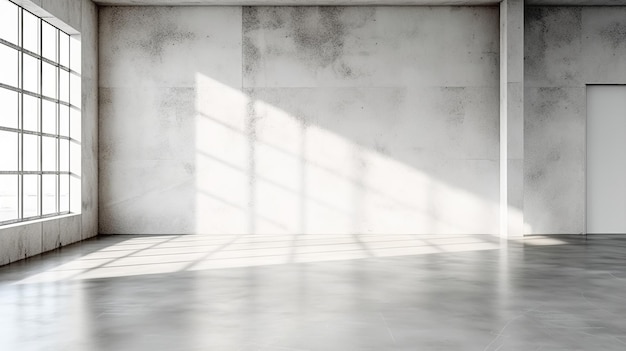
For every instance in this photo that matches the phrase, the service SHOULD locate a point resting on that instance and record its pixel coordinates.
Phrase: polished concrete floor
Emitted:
(394, 292)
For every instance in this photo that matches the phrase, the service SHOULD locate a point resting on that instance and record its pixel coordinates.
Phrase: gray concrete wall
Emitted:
(23, 240)
(299, 120)
(565, 48)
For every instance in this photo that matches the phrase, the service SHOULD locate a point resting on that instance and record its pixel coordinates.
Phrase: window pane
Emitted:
(31, 195)
(48, 154)
(75, 54)
(8, 197)
(75, 161)
(31, 32)
(30, 112)
(49, 41)
(75, 194)
(8, 156)
(48, 117)
(75, 132)
(64, 120)
(64, 49)
(75, 90)
(8, 113)
(64, 86)
(31, 73)
(64, 193)
(8, 21)
(8, 65)
(49, 80)
(31, 152)
(64, 155)
(49, 194)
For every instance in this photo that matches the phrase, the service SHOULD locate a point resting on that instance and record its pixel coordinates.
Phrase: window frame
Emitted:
(62, 134)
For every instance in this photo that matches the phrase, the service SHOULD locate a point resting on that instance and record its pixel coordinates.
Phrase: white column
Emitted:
(512, 118)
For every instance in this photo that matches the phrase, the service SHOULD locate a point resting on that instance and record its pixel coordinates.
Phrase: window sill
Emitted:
(38, 220)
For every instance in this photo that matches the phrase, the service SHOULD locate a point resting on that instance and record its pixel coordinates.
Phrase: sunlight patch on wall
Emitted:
(262, 170)
(222, 162)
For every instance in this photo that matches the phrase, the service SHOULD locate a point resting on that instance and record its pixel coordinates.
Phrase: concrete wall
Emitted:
(299, 120)
(566, 48)
(23, 240)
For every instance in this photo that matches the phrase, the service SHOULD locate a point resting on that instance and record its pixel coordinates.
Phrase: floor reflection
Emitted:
(343, 292)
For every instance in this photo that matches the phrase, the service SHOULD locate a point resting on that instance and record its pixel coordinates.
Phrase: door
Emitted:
(606, 159)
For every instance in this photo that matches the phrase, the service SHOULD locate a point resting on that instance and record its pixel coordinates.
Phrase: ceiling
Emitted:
(577, 2)
(296, 2)
(355, 2)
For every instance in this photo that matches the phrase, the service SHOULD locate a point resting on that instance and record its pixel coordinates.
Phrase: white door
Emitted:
(606, 159)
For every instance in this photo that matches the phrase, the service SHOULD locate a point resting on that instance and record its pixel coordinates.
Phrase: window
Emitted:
(39, 116)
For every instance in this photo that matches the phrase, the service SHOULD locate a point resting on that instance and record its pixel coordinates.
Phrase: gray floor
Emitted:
(318, 293)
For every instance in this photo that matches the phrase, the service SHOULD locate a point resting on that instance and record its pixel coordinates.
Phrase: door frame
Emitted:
(585, 142)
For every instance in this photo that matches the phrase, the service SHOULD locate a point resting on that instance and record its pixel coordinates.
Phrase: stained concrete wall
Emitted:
(299, 120)
(565, 49)
(23, 240)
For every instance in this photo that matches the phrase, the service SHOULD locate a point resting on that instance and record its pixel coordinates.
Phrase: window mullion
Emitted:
(58, 125)
(69, 123)
(20, 116)
(40, 117)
